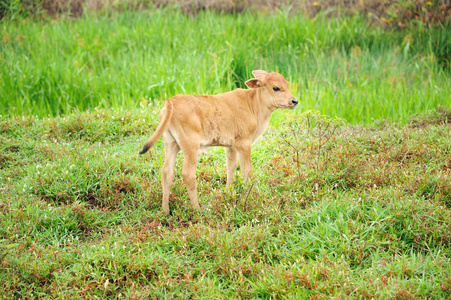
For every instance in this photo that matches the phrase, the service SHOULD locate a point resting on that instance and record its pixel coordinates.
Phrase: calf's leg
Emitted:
(171, 149)
(189, 173)
(232, 164)
(244, 151)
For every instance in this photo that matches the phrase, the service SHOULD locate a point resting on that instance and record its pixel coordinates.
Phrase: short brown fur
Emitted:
(233, 120)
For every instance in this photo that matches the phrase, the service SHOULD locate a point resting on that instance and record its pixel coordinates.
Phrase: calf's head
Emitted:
(273, 88)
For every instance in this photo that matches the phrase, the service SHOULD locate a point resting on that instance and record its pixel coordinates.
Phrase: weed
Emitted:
(312, 132)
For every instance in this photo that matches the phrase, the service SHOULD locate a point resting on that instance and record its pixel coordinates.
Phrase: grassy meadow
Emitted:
(351, 195)
(334, 211)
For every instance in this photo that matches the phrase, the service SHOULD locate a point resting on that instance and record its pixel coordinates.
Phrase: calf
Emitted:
(233, 120)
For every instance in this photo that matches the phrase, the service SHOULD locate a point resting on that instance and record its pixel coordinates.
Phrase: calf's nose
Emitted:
(295, 101)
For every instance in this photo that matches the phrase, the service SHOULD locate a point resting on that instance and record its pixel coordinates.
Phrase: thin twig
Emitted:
(247, 195)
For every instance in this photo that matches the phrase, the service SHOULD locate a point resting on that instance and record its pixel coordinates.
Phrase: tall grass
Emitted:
(342, 67)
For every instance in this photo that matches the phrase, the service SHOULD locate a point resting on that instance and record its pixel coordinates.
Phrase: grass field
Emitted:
(344, 209)
(364, 215)
(342, 67)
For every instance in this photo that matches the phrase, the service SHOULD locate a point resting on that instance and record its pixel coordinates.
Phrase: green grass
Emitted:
(335, 210)
(342, 67)
(364, 215)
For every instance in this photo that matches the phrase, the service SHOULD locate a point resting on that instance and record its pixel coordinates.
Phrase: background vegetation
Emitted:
(342, 66)
(335, 210)
(395, 13)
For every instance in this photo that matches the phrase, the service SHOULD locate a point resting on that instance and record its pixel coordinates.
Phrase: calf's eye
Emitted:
(276, 89)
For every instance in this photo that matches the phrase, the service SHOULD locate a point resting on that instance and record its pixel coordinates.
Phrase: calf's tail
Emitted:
(160, 129)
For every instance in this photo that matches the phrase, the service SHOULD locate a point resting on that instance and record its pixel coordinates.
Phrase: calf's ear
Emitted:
(253, 83)
(259, 74)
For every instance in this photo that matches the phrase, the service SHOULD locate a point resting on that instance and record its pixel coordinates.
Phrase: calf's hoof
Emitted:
(166, 211)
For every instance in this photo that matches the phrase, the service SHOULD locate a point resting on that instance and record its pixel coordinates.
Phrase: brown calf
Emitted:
(233, 120)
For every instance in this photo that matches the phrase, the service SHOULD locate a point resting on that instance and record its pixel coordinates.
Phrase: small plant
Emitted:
(315, 133)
